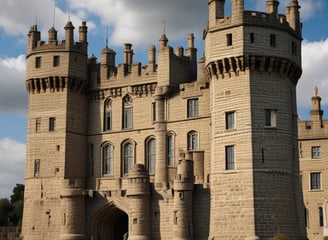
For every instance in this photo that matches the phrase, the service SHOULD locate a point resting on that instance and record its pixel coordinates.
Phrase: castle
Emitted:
(182, 148)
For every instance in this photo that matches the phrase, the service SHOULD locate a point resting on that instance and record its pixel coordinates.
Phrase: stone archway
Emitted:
(110, 223)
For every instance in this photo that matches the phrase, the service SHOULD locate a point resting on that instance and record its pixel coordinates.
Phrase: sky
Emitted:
(139, 22)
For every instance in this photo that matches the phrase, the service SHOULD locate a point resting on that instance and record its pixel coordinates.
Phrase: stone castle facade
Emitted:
(313, 145)
(165, 151)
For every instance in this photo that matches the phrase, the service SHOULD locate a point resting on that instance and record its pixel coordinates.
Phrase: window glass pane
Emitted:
(192, 108)
(127, 157)
(193, 141)
(56, 61)
(315, 181)
(36, 167)
(315, 152)
(151, 152)
(230, 120)
(170, 150)
(230, 157)
(52, 124)
(108, 115)
(37, 62)
(127, 112)
(38, 125)
(108, 159)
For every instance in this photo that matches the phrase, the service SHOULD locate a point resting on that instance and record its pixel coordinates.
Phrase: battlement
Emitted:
(217, 20)
(179, 62)
(36, 44)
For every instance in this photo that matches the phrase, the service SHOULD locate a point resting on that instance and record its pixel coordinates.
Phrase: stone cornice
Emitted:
(55, 84)
(232, 66)
(139, 90)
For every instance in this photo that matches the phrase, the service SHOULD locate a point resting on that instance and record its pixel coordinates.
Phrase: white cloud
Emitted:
(140, 22)
(12, 161)
(13, 97)
(314, 57)
(17, 16)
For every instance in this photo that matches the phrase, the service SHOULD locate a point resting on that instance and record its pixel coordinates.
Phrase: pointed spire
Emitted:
(54, 14)
(316, 111)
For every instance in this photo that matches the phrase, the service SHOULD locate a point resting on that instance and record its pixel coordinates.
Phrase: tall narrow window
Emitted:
(38, 125)
(56, 61)
(128, 156)
(230, 120)
(36, 167)
(52, 124)
(153, 111)
(108, 115)
(315, 152)
(230, 157)
(192, 140)
(320, 216)
(192, 107)
(251, 37)
(90, 163)
(229, 39)
(294, 47)
(151, 155)
(170, 149)
(127, 112)
(315, 181)
(38, 62)
(272, 40)
(108, 159)
(270, 118)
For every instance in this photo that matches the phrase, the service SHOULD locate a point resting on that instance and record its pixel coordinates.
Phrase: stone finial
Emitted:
(316, 91)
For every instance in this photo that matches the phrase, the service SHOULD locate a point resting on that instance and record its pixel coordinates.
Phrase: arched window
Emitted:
(127, 112)
(192, 140)
(151, 155)
(128, 157)
(108, 115)
(107, 154)
(170, 149)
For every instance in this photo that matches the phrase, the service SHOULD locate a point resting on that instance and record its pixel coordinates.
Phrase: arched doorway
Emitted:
(110, 223)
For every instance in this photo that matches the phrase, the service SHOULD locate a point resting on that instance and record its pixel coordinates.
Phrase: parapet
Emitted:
(35, 44)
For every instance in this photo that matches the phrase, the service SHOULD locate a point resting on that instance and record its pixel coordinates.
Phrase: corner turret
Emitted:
(293, 16)
(272, 6)
(33, 37)
(316, 112)
(237, 10)
(69, 35)
(52, 35)
(216, 10)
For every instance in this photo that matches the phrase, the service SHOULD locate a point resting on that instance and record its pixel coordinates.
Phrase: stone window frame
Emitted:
(192, 107)
(36, 168)
(150, 154)
(107, 154)
(56, 61)
(127, 114)
(316, 152)
(315, 181)
(170, 149)
(273, 40)
(270, 118)
(127, 156)
(38, 125)
(193, 140)
(52, 124)
(229, 39)
(230, 120)
(108, 118)
(38, 61)
(230, 157)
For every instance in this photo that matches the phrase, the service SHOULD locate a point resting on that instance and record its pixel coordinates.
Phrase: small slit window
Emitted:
(229, 39)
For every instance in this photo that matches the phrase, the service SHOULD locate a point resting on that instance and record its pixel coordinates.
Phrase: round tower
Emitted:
(254, 61)
(183, 189)
(56, 80)
(138, 194)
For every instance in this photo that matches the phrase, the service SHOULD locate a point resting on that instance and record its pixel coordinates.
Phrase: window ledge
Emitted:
(270, 127)
(316, 190)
